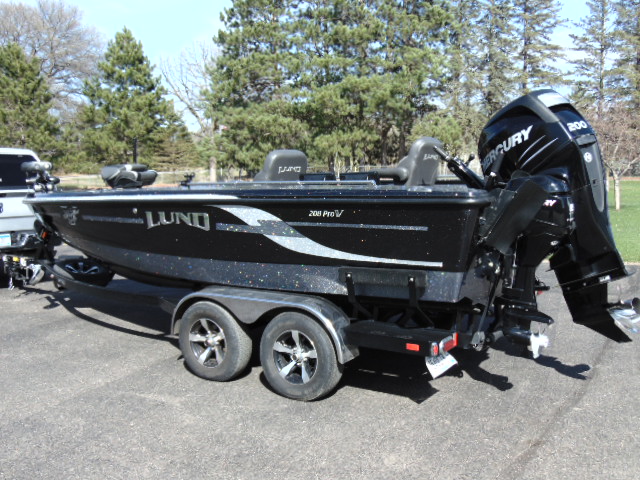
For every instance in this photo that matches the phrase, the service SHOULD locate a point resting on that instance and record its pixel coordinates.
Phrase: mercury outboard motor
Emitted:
(542, 159)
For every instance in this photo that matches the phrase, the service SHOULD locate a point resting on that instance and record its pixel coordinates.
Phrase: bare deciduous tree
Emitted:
(52, 32)
(619, 133)
(188, 79)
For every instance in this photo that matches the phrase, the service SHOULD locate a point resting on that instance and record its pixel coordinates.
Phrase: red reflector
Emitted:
(413, 347)
(450, 342)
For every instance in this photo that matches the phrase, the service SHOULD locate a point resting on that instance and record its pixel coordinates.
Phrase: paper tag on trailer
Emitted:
(439, 364)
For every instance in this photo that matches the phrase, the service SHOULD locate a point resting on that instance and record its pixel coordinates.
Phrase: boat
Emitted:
(395, 252)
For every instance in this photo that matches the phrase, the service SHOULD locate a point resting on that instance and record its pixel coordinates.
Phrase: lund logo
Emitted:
(289, 169)
(70, 214)
(193, 219)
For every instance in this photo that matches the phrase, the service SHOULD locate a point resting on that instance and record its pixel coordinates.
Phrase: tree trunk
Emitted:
(213, 174)
(616, 190)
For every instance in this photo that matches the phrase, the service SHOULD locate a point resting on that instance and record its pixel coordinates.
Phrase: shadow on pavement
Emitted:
(144, 316)
(571, 371)
(391, 373)
(469, 362)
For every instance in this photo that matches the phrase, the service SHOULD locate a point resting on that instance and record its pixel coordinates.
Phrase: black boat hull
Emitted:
(293, 239)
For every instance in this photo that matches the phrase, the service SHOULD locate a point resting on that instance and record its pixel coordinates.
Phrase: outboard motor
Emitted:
(542, 159)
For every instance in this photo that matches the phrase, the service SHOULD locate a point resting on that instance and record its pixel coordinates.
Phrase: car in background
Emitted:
(19, 241)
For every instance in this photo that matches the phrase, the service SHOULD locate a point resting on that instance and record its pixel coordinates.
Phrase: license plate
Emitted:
(5, 240)
(440, 363)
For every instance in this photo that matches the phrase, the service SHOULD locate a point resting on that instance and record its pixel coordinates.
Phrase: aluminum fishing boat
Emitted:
(397, 252)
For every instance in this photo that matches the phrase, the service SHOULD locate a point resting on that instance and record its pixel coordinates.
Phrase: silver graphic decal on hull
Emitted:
(402, 228)
(261, 222)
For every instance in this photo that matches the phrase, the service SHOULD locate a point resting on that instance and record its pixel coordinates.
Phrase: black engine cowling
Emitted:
(542, 138)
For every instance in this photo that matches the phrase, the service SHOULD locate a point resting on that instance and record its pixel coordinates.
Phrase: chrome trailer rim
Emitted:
(295, 357)
(207, 342)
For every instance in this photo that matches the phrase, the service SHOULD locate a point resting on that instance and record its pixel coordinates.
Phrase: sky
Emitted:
(165, 27)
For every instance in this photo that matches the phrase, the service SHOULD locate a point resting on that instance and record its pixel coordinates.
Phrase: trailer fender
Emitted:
(248, 306)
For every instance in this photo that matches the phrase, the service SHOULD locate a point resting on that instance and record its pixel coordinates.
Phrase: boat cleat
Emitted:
(626, 315)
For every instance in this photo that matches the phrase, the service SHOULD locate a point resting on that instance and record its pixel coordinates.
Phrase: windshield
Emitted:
(11, 176)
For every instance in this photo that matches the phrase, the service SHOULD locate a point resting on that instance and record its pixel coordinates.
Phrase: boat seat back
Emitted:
(283, 165)
(128, 175)
(422, 162)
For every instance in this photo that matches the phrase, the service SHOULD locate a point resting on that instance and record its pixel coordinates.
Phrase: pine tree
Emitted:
(125, 103)
(388, 67)
(176, 150)
(253, 84)
(67, 51)
(497, 40)
(463, 90)
(416, 63)
(627, 47)
(619, 126)
(25, 102)
(343, 80)
(537, 20)
(594, 69)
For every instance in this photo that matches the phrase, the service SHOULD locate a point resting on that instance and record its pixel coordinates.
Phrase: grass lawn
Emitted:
(626, 222)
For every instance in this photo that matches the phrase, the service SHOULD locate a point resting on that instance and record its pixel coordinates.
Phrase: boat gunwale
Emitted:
(280, 192)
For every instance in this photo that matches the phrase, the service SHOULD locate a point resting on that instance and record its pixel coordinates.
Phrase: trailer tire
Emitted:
(213, 344)
(298, 357)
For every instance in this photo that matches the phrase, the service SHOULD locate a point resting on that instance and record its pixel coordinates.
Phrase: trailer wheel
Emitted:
(214, 345)
(298, 357)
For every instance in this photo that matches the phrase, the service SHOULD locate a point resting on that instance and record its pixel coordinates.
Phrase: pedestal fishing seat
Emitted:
(128, 175)
(283, 166)
(420, 166)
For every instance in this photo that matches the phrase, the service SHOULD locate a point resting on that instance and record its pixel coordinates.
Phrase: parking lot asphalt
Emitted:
(93, 389)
